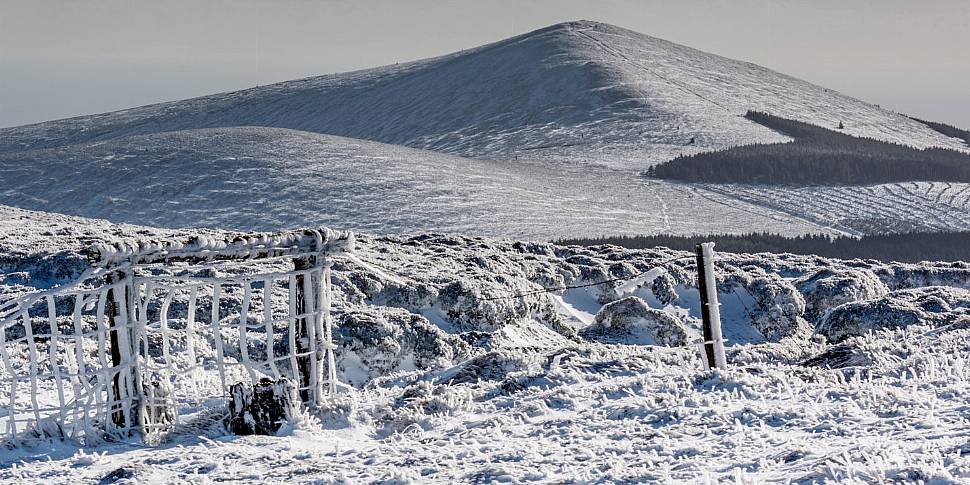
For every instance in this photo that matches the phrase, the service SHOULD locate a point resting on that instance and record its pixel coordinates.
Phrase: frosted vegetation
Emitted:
(839, 370)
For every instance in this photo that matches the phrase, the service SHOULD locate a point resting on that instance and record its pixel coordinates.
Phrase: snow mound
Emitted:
(775, 307)
(935, 306)
(829, 288)
(631, 321)
(901, 276)
(564, 91)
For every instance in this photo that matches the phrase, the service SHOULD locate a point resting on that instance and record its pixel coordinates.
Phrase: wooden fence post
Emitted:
(120, 347)
(710, 308)
(303, 362)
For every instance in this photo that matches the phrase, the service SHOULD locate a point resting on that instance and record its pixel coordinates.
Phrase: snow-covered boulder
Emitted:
(934, 305)
(831, 287)
(631, 321)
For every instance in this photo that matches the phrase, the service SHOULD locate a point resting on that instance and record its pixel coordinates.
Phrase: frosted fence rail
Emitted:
(149, 354)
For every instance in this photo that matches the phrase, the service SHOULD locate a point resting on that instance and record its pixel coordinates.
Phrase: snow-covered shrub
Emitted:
(935, 305)
(631, 321)
(469, 308)
(778, 306)
(432, 399)
(663, 287)
(831, 287)
(902, 276)
(376, 341)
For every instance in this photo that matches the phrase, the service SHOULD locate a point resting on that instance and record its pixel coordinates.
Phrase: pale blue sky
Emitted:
(62, 58)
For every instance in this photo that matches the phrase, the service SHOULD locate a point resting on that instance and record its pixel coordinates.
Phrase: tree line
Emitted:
(907, 247)
(948, 130)
(817, 156)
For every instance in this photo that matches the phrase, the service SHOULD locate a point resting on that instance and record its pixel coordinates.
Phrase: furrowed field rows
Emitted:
(900, 207)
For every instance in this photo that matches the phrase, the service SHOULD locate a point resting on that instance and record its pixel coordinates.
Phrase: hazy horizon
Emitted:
(63, 59)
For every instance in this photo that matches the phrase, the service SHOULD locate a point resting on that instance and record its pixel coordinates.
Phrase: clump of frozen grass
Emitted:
(305, 421)
(341, 411)
(432, 399)
(82, 459)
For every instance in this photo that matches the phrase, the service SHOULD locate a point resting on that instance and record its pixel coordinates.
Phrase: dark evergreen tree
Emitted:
(817, 156)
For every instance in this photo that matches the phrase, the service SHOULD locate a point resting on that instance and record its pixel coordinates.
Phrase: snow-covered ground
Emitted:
(271, 179)
(600, 414)
(454, 386)
(899, 207)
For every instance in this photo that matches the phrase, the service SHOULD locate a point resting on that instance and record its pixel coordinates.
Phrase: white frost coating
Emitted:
(129, 252)
(154, 374)
(713, 307)
(561, 410)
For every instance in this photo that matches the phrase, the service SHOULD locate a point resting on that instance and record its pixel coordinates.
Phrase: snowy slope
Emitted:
(254, 178)
(272, 179)
(579, 90)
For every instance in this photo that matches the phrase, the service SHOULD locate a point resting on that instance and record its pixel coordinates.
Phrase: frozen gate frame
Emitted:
(102, 359)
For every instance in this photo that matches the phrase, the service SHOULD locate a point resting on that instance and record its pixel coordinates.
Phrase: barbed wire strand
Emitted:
(587, 285)
(385, 272)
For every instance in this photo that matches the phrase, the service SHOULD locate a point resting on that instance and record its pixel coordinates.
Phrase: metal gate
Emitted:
(149, 340)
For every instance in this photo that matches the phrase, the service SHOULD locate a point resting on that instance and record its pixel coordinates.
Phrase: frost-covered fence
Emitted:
(151, 338)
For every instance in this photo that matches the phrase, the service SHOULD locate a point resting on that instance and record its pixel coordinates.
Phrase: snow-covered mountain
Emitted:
(539, 136)
(578, 90)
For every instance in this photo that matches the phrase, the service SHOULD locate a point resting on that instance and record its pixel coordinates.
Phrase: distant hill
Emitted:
(582, 91)
(253, 178)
